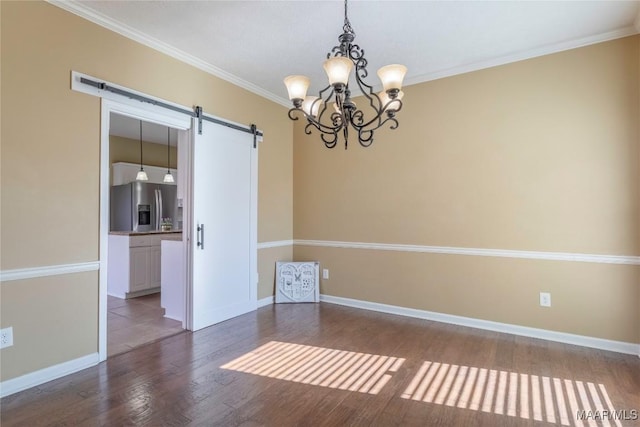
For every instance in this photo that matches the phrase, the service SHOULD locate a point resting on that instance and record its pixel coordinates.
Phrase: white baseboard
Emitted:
(42, 376)
(599, 343)
(173, 318)
(265, 301)
(116, 295)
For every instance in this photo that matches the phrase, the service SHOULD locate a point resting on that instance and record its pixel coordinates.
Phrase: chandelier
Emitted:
(344, 113)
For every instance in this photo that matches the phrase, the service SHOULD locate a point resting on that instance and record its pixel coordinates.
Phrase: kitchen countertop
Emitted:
(142, 233)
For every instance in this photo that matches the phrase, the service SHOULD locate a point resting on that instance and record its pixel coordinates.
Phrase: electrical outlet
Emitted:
(545, 299)
(6, 337)
(325, 273)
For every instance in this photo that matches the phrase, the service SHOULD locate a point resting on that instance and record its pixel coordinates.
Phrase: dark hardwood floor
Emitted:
(327, 365)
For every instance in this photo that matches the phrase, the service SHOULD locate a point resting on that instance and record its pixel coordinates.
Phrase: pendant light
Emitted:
(168, 177)
(142, 175)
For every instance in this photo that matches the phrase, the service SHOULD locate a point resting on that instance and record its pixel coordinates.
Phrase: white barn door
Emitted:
(224, 224)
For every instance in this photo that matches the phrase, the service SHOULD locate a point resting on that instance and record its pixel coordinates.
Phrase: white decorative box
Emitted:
(297, 282)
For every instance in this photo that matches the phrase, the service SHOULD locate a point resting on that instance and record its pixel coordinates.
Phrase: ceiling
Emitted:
(255, 44)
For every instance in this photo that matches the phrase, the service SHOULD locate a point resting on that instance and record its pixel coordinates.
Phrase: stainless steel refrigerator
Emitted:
(141, 206)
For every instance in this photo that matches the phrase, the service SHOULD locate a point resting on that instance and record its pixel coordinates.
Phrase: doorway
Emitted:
(210, 295)
(131, 310)
(145, 293)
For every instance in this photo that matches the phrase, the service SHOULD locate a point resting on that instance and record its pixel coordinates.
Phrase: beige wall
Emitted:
(54, 319)
(539, 155)
(128, 150)
(596, 300)
(50, 167)
(267, 268)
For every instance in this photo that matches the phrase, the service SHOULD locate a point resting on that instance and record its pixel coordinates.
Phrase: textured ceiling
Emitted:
(257, 43)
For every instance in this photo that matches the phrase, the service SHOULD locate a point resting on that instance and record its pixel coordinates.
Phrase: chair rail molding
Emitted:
(504, 253)
(48, 270)
(275, 244)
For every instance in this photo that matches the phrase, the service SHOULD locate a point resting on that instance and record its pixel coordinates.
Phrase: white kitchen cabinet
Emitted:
(155, 264)
(134, 266)
(141, 269)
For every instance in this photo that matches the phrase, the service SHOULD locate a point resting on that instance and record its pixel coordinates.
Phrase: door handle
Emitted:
(201, 236)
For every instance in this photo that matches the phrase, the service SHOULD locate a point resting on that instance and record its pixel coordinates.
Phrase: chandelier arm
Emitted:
(292, 115)
(361, 125)
(367, 140)
(356, 54)
(325, 129)
(357, 118)
(365, 135)
(374, 101)
(323, 109)
(306, 128)
(336, 51)
(367, 90)
(393, 120)
(397, 101)
(379, 115)
(329, 143)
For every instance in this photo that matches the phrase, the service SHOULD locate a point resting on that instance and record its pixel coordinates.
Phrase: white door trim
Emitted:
(140, 111)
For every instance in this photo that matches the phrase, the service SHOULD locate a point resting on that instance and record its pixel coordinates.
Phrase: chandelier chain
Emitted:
(347, 25)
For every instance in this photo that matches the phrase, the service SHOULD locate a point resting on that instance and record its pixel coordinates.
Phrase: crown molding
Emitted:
(528, 54)
(516, 57)
(142, 38)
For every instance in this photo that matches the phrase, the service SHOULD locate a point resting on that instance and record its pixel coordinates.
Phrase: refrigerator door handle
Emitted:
(155, 219)
(158, 227)
(155, 207)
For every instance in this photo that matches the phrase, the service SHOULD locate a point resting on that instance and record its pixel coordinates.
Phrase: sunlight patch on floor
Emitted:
(540, 398)
(325, 367)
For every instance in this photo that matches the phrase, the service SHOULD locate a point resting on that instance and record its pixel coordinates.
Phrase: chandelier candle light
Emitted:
(344, 113)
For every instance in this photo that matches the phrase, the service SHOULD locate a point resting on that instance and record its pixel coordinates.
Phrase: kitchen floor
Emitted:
(136, 321)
